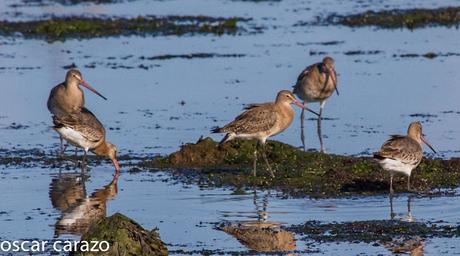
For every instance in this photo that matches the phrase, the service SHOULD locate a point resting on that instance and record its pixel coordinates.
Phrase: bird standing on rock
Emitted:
(402, 154)
(261, 121)
(316, 83)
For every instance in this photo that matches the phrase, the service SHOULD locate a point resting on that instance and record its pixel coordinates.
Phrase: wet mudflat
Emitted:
(168, 89)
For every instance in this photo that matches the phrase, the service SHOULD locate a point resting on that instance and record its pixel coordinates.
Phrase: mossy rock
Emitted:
(125, 237)
(298, 173)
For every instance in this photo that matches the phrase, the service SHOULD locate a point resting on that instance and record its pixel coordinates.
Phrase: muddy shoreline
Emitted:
(298, 173)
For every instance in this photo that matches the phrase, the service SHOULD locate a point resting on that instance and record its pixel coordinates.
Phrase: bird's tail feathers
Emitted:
(216, 129)
(378, 156)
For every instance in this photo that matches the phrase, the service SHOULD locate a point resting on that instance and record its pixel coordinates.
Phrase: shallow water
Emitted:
(186, 215)
(379, 92)
(144, 114)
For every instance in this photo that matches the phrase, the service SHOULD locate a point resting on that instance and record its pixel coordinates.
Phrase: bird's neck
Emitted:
(415, 136)
(284, 108)
(102, 149)
(72, 84)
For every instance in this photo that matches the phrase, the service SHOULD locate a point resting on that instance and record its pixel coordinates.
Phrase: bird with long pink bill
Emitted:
(68, 98)
(316, 83)
(402, 154)
(84, 130)
(261, 121)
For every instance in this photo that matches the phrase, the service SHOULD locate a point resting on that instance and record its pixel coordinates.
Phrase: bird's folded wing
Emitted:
(401, 149)
(83, 122)
(257, 119)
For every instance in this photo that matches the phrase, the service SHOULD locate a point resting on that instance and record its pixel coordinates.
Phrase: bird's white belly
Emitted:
(260, 136)
(396, 166)
(75, 138)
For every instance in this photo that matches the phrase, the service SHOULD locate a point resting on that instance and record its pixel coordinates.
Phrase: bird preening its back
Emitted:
(316, 83)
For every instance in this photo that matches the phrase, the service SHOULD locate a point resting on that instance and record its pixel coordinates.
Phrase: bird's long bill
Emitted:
(334, 80)
(117, 167)
(300, 105)
(428, 144)
(85, 84)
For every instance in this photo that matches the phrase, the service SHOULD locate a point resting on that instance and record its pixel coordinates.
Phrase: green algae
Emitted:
(397, 18)
(299, 173)
(125, 237)
(371, 231)
(61, 28)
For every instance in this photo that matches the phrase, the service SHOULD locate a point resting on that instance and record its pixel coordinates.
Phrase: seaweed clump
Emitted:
(369, 231)
(61, 28)
(397, 18)
(298, 173)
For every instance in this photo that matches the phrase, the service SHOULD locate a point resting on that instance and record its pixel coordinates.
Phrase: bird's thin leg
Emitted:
(302, 135)
(409, 212)
(408, 183)
(76, 159)
(392, 213)
(266, 161)
(320, 117)
(254, 165)
(62, 147)
(391, 184)
(83, 162)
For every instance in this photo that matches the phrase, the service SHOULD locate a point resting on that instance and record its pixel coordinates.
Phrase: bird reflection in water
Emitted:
(408, 217)
(79, 211)
(413, 245)
(261, 234)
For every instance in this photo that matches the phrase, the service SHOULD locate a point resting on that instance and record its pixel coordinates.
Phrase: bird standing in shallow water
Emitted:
(316, 83)
(261, 121)
(84, 130)
(403, 153)
(68, 98)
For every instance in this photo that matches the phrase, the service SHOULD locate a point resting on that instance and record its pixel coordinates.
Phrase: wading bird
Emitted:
(401, 154)
(84, 130)
(316, 83)
(261, 121)
(68, 98)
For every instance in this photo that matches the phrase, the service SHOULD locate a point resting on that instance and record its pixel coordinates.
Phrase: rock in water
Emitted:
(125, 237)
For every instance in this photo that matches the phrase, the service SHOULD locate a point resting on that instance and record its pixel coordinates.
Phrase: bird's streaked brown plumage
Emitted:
(402, 154)
(84, 130)
(261, 121)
